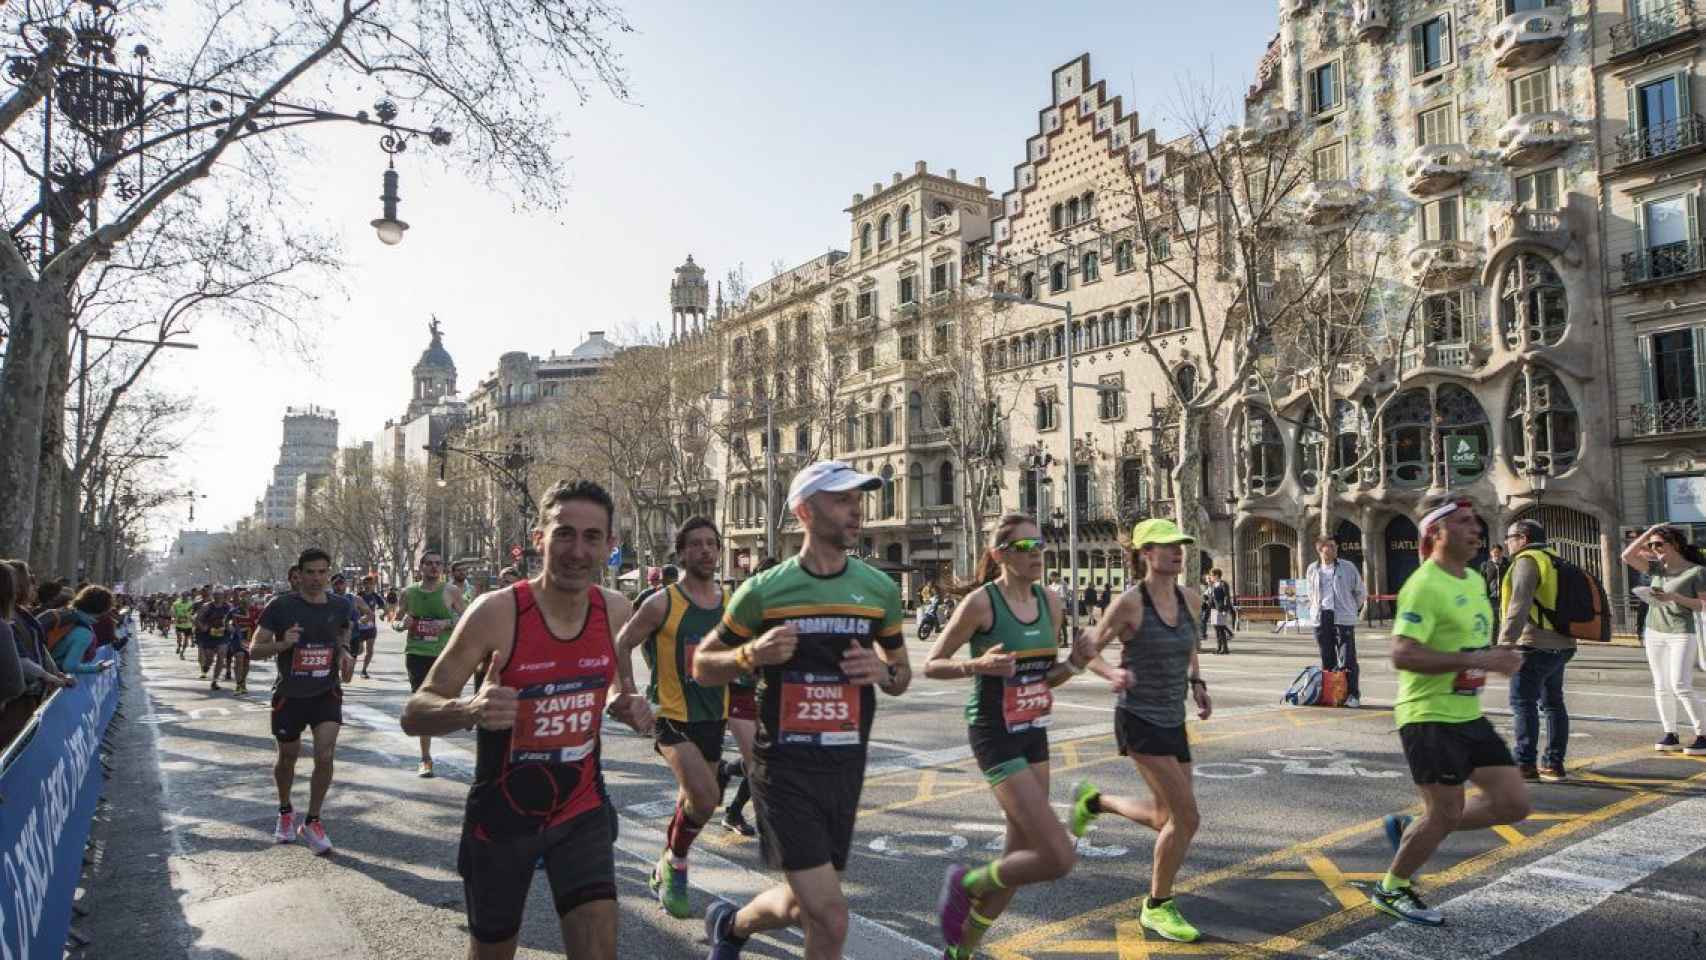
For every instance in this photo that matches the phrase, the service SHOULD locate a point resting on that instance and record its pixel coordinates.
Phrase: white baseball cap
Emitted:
(828, 476)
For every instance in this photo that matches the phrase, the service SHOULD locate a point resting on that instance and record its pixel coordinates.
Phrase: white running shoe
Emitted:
(286, 827)
(314, 835)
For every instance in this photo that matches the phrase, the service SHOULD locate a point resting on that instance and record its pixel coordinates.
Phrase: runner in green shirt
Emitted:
(430, 610)
(183, 618)
(1440, 645)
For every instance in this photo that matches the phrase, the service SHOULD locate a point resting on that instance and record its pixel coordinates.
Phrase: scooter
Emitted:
(930, 620)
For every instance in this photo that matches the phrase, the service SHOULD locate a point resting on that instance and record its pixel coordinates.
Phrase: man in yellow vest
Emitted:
(1531, 582)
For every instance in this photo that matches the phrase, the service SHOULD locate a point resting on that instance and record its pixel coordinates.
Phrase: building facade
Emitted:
(310, 446)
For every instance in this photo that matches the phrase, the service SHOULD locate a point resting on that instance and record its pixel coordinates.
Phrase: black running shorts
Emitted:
(580, 862)
(418, 664)
(1138, 737)
(292, 715)
(806, 815)
(1447, 753)
(707, 735)
(1001, 754)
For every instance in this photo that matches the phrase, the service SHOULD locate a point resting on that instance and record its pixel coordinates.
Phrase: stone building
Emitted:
(308, 448)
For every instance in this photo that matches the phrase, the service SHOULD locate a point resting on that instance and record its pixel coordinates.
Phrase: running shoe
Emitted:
(286, 828)
(1082, 793)
(424, 771)
(1405, 905)
(1697, 748)
(242, 688)
(204, 677)
(1554, 773)
(672, 889)
(214, 685)
(953, 906)
(1529, 771)
(1670, 744)
(1352, 703)
(1396, 824)
(314, 835)
(364, 675)
(735, 823)
(719, 923)
(1165, 920)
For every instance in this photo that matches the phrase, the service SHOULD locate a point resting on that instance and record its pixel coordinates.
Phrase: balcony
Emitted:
(863, 326)
(1529, 138)
(1443, 356)
(1668, 416)
(1435, 263)
(1530, 35)
(1657, 27)
(1266, 294)
(1665, 263)
(939, 298)
(904, 314)
(1437, 167)
(1371, 20)
(1672, 138)
(1268, 123)
(1546, 228)
(1329, 201)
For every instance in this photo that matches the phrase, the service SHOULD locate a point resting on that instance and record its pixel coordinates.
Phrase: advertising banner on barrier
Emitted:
(47, 802)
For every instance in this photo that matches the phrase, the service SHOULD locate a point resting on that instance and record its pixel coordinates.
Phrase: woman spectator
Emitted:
(91, 605)
(1217, 602)
(1678, 578)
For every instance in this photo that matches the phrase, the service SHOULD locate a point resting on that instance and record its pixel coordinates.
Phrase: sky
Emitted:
(749, 127)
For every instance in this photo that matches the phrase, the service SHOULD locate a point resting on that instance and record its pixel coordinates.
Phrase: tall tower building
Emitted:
(309, 448)
(689, 299)
(435, 375)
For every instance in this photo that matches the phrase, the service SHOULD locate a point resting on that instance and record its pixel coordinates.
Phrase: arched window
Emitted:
(940, 209)
(1164, 316)
(1028, 286)
(1077, 337)
(887, 414)
(1160, 246)
(1125, 324)
(945, 484)
(1059, 339)
(1057, 278)
(1533, 310)
(1464, 437)
(1072, 213)
(888, 492)
(905, 219)
(1092, 334)
(852, 428)
(1030, 347)
(1540, 404)
(914, 412)
(1311, 449)
(1182, 311)
(1086, 206)
(883, 229)
(1001, 355)
(864, 239)
(1056, 217)
(1123, 259)
(1186, 378)
(1351, 423)
(1408, 428)
(1108, 328)
(1089, 266)
(1267, 453)
(915, 495)
(1141, 318)
(870, 419)
(944, 409)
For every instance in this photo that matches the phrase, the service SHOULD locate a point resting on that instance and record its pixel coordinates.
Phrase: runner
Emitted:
(743, 723)
(1156, 624)
(538, 793)
(1009, 620)
(212, 623)
(183, 619)
(391, 603)
(361, 617)
(430, 609)
(461, 584)
(807, 628)
(689, 718)
(1440, 646)
(308, 631)
(245, 614)
(368, 633)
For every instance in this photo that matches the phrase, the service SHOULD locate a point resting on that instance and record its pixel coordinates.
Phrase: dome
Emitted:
(595, 348)
(435, 356)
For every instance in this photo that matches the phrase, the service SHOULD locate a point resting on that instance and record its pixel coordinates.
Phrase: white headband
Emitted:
(1438, 514)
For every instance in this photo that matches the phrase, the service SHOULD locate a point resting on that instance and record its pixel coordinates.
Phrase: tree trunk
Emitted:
(39, 319)
(57, 495)
(1187, 484)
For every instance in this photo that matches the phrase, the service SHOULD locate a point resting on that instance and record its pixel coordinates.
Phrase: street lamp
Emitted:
(769, 458)
(936, 535)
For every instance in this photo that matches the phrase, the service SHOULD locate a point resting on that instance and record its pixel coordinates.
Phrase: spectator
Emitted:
(1217, 610)
(1336, 599)
(1672, 638)
(11, 674)
(1530, 585)
(508, 576)
(90, 605)
(1091, 597)
(1493, 571)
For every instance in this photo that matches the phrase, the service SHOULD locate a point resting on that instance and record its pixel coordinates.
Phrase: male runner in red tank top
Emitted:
(538, 792)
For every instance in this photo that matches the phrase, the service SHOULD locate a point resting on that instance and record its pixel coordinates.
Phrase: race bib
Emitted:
(311, 661)
(557, 722)
(819, 709)
(1027, 701)
(216, 632)
(1469, 682)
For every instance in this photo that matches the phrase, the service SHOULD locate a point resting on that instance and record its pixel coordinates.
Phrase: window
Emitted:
(1057, 278)
(1436, 126)
(869, 421)
(1542, 428)
(1164, 316)
(1665, 233)
(886, 412)
(908, 290)
(1442, 317)
(1267, 454)
(940, 209)
(1330, 161)
(905, 220)
(1072, 213)
(939, 342)
(883, 229)
(1324, 90)
(1533, 309)
(838, 313)
(1532, 93)
(1028, 286)
(867, 305)
(1439, 220)
(740, 348)
(781, 388)
(1186, 378)
(938, 278)
(851, 428)
(1538, 190)
(1123, 259)
(1030, 347)
(1514, 7)
(1675, 374)
(909, 347)
(1182, 311)
(1430, 46)
(1090, 268)
(1107, 329)
(1059, 339)
(801, 330)
(944, 409)
(1125, 331)
(945, 483)
(914, 412)
(864, 239)
(1160, 247)
(1045, 415)
(867, 357)
(802, 438)
(802, 385)
(1408, 427)
(1110, 398)
(888, 492)
(838, 366)
(1463, 429)
(1087, 205)
(1057, 217)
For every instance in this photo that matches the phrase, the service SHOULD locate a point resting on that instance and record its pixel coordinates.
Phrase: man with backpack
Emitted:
(1528, 604)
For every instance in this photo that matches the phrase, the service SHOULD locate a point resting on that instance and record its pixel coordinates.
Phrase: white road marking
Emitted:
(1527, 902)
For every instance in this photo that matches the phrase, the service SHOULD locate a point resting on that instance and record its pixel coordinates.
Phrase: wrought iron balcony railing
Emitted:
(1659, 23)
(1668, 416)
(1661, 139)
(1667, 261)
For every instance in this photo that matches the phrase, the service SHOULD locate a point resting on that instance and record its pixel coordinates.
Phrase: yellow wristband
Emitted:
(743, 658)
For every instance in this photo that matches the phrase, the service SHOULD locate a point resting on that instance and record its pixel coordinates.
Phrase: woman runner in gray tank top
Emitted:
(1156, 624)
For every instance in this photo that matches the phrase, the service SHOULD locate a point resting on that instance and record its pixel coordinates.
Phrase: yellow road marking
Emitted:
(926, 784)
(1069, 750)
(1328, 873)
(1312, 875)
(1510, 834)
(1020, 945)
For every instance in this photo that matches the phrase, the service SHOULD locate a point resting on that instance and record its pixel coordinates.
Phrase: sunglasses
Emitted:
(1024, 545)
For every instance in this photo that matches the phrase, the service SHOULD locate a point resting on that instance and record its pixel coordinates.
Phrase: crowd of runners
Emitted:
(789, 666)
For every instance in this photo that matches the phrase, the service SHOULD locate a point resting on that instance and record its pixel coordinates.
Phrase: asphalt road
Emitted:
(1613, 864)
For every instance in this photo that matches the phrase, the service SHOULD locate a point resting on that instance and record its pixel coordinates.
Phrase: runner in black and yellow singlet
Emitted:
(667, 627)
(1008, 618)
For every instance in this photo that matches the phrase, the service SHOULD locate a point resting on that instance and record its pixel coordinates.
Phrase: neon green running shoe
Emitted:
(670, 885)
(1082, 793)
(1165, 919)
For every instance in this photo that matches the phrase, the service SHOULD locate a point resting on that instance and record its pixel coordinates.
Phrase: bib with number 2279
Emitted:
(1026, 700)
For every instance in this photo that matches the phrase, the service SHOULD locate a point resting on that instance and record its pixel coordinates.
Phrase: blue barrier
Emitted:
(48, 790)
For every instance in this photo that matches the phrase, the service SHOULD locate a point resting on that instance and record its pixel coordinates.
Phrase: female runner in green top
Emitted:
(1009, 620)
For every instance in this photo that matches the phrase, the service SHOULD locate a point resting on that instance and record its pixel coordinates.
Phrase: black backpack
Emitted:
(1583, 611)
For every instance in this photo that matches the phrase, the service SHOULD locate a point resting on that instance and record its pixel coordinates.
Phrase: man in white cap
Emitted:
(819, 630)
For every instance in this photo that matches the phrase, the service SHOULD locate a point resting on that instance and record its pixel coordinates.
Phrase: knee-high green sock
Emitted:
(976, 926)
(980, 880)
